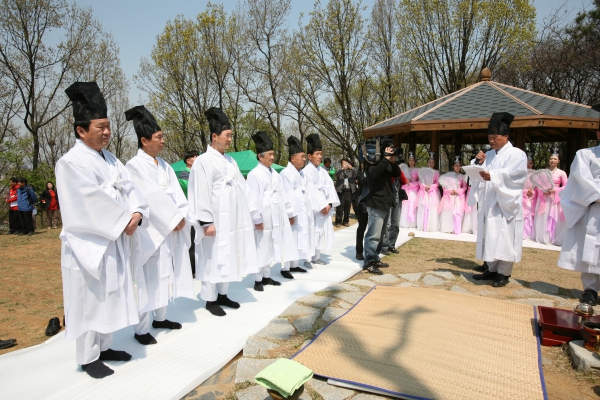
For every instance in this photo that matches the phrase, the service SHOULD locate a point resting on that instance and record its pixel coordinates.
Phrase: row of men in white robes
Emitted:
(126, 229)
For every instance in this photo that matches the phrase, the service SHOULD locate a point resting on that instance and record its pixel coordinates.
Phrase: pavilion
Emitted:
(463, 116)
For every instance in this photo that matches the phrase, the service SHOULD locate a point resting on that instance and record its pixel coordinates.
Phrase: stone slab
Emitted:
(582, 358)
(458, 289)
(345, 305)
(278, 328)
(443, 274)
(337, 287)
(316, 301)
(366, 396)
(544, 287)
(576, 293)
(536, 302)
(362, 282)
(352, 297)
(299, 309)
(332, 313)
(407, 284)
(467, 276)
(306, 322)
(525, 292)
(256, 347)
(329, 392)
(430, 280)
(411, 277)
(486, 293)
(255, 392)
(387, 278)
(247, 368)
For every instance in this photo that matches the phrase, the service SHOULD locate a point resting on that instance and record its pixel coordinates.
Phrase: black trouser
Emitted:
(14, 222)
(363, 219)
(344, 207)
(193, 250)
(26, 219)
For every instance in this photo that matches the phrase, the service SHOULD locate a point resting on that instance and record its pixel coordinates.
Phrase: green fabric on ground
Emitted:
(284, 376)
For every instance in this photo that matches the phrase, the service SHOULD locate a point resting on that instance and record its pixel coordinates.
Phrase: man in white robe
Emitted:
(580, 202)
(319, 177)
(221, 207)
(167, 271)
(101, 210)
(500, 214)
(306, 200)
(275, 216)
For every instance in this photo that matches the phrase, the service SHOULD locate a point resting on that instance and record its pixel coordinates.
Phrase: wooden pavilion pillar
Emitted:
(412, 143)
(520, 138)
(434, 145)
(457, 145)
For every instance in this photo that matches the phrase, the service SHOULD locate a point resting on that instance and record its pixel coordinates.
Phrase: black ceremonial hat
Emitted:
(87, 100)
(216, 120)
(143, 121)
(313, 143)
(263, 142)
(500, 123)
(294, 145)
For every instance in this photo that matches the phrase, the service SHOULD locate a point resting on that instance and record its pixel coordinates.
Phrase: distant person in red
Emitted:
(50, 205)
(14, 224)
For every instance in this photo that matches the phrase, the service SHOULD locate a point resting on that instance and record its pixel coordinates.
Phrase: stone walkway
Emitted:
(298, 324)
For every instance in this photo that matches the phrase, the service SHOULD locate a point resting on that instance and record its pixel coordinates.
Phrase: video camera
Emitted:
(371, 150)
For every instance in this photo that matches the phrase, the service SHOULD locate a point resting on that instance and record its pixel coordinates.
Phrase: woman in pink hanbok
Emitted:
(470, 214)
(429, 197)
(529, 202)
(550, 225)
(452, 206)
(408, 215)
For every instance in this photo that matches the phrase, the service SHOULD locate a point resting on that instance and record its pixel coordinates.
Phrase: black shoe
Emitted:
(486, 276)
(114, 355)
(215, 309)
(590, 297)
(385, 252)
(5, 344)
(481, 268)
(297, 269)
(166, 324)
(337, 224)
(53, 327)
(500, 280)
(395, 251)
(146, 339)
(30, 233)
(372, 269)
(346, 224)
(20, 234)
(97, 369)
(380, 264)
(319, 262)
(258, 287)
(223, 300)
(360, 257)
(287, 275)
(269, 281)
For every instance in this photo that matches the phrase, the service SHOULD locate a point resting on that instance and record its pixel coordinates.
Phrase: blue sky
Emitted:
(136, 23)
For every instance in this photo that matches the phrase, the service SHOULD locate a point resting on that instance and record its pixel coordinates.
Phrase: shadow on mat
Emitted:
(384, 360)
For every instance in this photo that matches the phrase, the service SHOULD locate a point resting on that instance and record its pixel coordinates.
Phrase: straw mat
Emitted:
(432, 343)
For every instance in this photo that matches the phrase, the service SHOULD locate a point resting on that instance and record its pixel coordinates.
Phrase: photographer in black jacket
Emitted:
(379, 202)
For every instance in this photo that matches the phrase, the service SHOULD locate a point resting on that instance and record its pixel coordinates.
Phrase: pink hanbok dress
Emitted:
(529, 203)
(470, 219)
(452, 206)
(550, 225)
(408, 215)
(429, 200)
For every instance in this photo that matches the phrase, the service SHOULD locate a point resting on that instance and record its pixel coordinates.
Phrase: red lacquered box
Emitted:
(559, 326)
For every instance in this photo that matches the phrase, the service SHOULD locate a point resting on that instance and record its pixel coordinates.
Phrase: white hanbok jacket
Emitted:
(500, 214)
(580, 202)
(275, 243)
(97, 258)
(218, 194)
(306, 201)
(320, 178)
(167, 271)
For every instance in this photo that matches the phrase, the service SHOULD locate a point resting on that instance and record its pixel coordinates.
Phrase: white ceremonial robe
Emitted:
(500, 214)
(97, 200)
(167, 271)
(219, 195)
(320, 178)
(275, 243)
(307, 201)
(580, 202)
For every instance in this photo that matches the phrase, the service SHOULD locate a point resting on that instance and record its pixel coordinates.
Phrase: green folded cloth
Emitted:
(284, 376)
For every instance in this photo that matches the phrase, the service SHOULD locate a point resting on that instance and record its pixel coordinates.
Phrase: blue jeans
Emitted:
(376, 230)
(393, 229)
